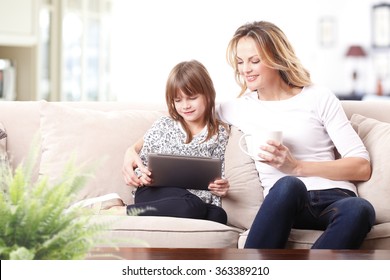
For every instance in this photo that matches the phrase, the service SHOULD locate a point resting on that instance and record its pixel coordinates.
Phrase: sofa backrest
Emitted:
(95, 133)
(21, 120)
(376, 109)
(58, 120)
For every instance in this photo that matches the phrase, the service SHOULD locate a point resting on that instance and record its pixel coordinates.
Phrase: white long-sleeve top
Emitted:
(313, 124)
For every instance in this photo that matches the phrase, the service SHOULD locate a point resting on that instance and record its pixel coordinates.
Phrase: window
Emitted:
(381, 25)
(78, 68)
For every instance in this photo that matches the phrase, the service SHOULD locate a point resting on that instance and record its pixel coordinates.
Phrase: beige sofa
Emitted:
(101, 132)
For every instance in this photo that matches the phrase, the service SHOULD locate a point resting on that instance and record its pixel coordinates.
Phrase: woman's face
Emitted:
(252, 69)
(191, 108)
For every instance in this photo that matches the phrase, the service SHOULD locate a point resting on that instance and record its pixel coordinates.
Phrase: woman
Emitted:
(305, 185)
(190, 129)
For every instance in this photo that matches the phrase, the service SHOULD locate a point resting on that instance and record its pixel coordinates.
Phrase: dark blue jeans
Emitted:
(175, 202)
(344, 218)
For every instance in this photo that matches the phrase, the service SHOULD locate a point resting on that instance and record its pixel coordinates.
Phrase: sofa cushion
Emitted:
(246, 193)
(377, 238)
(376, 138)
(167, 232)
(92, 137)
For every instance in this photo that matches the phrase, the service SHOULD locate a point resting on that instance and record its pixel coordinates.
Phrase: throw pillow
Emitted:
(246, 193)
(3, 136)
(376, 137)
(92, 136)
(4, 162)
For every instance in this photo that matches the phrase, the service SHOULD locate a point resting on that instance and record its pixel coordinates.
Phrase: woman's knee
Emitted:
(287, 193)
(357, 211)
(364, 211)
(289, 186)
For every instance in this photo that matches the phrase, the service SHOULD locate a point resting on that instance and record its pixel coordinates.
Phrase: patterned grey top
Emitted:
(167, 136)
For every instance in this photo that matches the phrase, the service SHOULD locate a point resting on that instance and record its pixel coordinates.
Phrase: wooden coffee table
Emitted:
(124, 253)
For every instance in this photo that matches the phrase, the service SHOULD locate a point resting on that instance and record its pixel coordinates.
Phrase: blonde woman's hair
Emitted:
(191, 78)
(274, 49)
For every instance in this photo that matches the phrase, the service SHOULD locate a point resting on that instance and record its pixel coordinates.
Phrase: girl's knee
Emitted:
(216, 214)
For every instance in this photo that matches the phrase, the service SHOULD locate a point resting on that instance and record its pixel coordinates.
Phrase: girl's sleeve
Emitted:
(149, 135)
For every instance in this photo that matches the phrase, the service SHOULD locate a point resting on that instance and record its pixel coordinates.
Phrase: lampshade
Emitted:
(356, 51)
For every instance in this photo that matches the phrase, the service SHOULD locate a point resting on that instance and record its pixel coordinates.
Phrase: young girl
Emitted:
(190, 129)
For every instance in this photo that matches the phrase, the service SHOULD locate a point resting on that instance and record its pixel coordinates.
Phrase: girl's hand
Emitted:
(219, 187)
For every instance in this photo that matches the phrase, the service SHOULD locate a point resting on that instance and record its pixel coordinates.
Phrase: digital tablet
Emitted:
(183, 171)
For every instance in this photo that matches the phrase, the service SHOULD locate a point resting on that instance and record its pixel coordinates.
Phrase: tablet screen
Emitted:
(184, 171)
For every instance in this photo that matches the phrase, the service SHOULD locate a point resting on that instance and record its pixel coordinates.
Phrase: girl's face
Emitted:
(191, 108)
(252, 69)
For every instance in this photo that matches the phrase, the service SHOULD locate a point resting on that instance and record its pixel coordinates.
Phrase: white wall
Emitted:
(151, 36)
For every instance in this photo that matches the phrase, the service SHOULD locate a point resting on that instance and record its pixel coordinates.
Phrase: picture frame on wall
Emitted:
(327, 32)
(381, 25)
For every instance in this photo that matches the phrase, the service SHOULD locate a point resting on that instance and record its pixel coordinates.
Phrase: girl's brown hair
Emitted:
(274, 49)
(191, 78)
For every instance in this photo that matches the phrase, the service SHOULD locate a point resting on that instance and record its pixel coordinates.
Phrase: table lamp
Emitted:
(355, 52)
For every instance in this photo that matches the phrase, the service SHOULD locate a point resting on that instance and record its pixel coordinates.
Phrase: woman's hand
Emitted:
(219, 187)
(130, 163)
(348, 168)
(280, 157)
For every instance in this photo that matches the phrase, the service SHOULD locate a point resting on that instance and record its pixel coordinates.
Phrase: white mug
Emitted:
(254, 141)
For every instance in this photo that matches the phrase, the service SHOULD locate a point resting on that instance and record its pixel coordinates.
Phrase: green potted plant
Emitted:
(35, 219)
